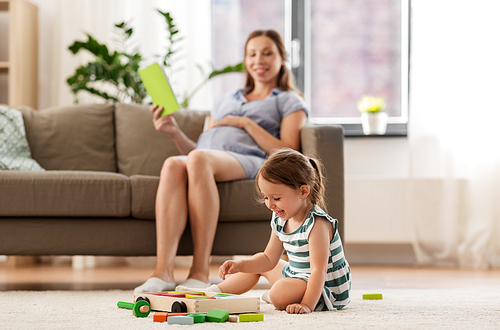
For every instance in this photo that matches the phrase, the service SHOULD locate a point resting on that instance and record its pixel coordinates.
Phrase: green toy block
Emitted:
(372, 296)
(198, 317)
(217, 315)
(180, 320)
(223, 295)
(251, 317)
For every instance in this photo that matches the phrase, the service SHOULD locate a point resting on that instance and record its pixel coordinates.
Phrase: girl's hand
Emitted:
(165, 124)
(229, 267)
(235, 121)
(297, 309)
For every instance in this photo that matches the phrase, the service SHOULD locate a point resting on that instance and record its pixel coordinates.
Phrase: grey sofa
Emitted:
(97, 195)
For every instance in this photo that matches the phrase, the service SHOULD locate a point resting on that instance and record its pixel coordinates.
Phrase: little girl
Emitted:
(317, 276)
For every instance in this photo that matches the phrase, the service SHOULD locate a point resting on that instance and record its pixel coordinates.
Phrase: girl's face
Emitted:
(263, 61)
(285, 201)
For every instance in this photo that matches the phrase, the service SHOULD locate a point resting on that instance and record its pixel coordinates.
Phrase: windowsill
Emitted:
(355, 130)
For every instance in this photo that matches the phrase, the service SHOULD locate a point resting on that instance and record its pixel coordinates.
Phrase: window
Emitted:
(233, 21)
(339, 50)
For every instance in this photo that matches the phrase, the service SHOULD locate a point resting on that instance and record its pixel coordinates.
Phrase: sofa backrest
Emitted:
(140, 149)
(75, 137)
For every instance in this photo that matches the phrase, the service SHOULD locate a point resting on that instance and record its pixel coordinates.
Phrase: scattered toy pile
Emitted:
(189, 307)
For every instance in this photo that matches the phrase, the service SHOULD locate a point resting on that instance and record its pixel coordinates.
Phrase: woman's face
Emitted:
(263, 61)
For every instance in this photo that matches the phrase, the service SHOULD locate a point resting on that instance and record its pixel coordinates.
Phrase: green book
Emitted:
(156, 83)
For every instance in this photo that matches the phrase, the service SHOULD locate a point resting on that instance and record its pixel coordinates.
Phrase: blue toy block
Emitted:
(180, 320)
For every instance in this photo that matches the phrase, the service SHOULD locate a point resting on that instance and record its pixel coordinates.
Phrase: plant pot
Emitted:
(374, 123)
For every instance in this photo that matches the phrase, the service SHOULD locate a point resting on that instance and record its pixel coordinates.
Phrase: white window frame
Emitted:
(298, 28)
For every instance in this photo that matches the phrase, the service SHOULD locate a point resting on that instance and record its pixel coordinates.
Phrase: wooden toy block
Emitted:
(222, 295)
(198, 317)
(180, 320)
(234, 304)
(251, 317)
(176, 314)
(160, 317)
(179, 295)
(372, 296)
(201, 293)
(200, 298)
(232, 318)
(217, 315)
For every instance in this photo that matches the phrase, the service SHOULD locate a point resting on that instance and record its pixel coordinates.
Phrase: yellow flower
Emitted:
(369, 103)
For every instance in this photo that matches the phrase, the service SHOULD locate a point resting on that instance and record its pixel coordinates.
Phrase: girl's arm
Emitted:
(319, 251)
(167, 124)
(258, 263)
(289, 131)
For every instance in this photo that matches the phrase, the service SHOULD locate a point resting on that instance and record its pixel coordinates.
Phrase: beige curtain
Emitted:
(454, 190)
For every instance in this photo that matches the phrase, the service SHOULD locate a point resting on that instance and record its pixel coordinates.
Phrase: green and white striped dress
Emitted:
(335, 294)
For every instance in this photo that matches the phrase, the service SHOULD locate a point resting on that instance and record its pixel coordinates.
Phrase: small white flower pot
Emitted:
(374, 123)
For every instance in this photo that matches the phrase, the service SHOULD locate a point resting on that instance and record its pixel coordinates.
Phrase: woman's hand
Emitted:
(229, 267)
(235, 121)
(165, 124)
(298, 309)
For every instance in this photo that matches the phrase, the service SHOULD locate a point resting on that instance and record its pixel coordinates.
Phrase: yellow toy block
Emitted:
(251, 317)
(372, 296)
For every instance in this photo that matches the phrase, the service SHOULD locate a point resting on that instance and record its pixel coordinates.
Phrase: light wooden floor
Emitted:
(63, 277)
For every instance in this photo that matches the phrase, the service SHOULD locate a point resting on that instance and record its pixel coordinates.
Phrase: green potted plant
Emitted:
(114, 76)
(373, 117)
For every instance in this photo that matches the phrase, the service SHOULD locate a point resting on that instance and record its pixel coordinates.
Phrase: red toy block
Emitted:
(175, 314)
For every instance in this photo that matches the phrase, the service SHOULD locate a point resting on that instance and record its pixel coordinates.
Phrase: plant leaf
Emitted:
(240, 67)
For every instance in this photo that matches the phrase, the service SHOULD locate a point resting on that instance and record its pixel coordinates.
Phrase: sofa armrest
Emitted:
(326, 142)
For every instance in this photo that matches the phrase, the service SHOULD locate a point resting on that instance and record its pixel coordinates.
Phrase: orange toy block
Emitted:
(160, 317)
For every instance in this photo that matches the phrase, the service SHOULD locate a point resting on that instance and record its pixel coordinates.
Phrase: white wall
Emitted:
(376, 176)
(454, 86)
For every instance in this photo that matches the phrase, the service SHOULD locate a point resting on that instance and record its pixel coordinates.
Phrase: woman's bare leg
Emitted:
(205, 168)
(171, 215)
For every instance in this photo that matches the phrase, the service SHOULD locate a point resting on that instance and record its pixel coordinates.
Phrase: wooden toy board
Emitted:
(200, 302)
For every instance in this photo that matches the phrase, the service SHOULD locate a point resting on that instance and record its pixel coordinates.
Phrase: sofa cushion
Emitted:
(76, 137)
(14, 149)
(238, 200)
(234, 197)
(140, 149)
(64, 193)
(143, 191)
